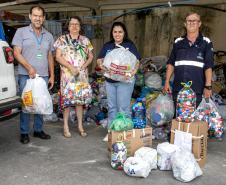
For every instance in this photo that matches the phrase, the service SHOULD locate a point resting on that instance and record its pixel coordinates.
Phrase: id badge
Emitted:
(39, 56)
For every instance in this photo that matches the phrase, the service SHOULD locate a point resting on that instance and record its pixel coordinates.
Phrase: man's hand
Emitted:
(207, 93)
(51, 82)
(31, 72)
(166, 88)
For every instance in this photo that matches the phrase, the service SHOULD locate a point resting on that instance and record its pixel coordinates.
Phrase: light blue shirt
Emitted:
(34, 49)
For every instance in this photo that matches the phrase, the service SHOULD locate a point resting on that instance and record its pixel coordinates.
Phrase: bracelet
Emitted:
(209, 87)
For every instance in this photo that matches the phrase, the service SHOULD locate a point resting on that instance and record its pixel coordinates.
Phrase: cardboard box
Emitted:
(133, 139)
(199, 130)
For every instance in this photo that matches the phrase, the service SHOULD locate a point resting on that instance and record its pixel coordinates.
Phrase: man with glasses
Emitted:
(191, 60)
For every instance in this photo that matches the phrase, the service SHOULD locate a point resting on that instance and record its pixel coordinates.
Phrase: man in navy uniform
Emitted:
(191, 60)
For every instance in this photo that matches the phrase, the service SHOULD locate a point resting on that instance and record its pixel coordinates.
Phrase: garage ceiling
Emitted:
(22, 6)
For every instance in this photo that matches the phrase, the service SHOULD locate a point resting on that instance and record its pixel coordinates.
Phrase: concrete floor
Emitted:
(82, 161)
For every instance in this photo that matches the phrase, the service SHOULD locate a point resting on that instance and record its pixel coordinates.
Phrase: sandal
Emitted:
(67, 133)
(82, 133)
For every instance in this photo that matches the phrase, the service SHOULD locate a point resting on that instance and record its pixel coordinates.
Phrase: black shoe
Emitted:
(41, 135)
(24, 138)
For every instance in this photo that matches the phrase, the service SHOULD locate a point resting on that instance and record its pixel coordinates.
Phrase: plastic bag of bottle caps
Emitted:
(186, 103)
(118, 155)
(162, 110)
(207, 111)
(139, 114)
(77, 93)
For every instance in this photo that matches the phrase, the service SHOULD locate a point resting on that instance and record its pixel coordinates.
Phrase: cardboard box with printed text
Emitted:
(199, 130)
(133, 139)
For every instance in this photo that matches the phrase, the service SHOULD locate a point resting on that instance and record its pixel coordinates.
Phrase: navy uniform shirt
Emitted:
(109, 46)
(190, 62)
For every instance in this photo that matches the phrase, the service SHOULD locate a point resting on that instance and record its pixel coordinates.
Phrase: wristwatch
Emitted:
(209, 87)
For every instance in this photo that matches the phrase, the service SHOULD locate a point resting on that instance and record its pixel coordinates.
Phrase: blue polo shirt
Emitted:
(109, 46)
(190, 62)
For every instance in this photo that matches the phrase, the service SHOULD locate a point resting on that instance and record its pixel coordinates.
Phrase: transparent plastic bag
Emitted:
(50, 117)
(118, 155)
(207, 111)
(136, 167)
(184, 166)
(139, 114)
(120, 63)
(165, 152)
(186, 103)
(77, 91)
(149, 155)
(36, 98)
(153, 80)
(162, 110)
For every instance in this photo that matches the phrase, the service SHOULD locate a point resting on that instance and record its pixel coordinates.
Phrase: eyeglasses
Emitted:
(192, 21)
(74, 24)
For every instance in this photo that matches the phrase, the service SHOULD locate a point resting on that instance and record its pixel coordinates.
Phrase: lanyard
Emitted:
(38, 39)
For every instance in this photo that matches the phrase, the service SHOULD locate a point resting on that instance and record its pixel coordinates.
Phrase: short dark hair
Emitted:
(122, 25)
(79, 20)
(39, 8)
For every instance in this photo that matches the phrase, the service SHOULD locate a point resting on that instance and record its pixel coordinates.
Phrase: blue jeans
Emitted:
(25, 117)
(118, 96)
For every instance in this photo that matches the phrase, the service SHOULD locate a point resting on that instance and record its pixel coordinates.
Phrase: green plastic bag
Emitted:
(121, 123)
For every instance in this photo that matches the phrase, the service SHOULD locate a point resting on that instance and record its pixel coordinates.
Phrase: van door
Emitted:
(7, 78)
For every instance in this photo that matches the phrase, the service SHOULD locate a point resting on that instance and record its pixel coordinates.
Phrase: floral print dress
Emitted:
(75, 52)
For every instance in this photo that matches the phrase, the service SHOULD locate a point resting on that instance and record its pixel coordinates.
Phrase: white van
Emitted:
(10, 103)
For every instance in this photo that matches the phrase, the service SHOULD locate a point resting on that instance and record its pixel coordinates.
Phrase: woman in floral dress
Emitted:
(74, 53)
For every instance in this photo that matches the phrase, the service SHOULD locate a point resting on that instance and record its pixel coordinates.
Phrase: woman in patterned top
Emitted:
(74, 53)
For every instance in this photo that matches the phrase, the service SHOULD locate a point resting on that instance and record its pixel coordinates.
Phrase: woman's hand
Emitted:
(101, 66)
(74, 70)
(99, 62)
